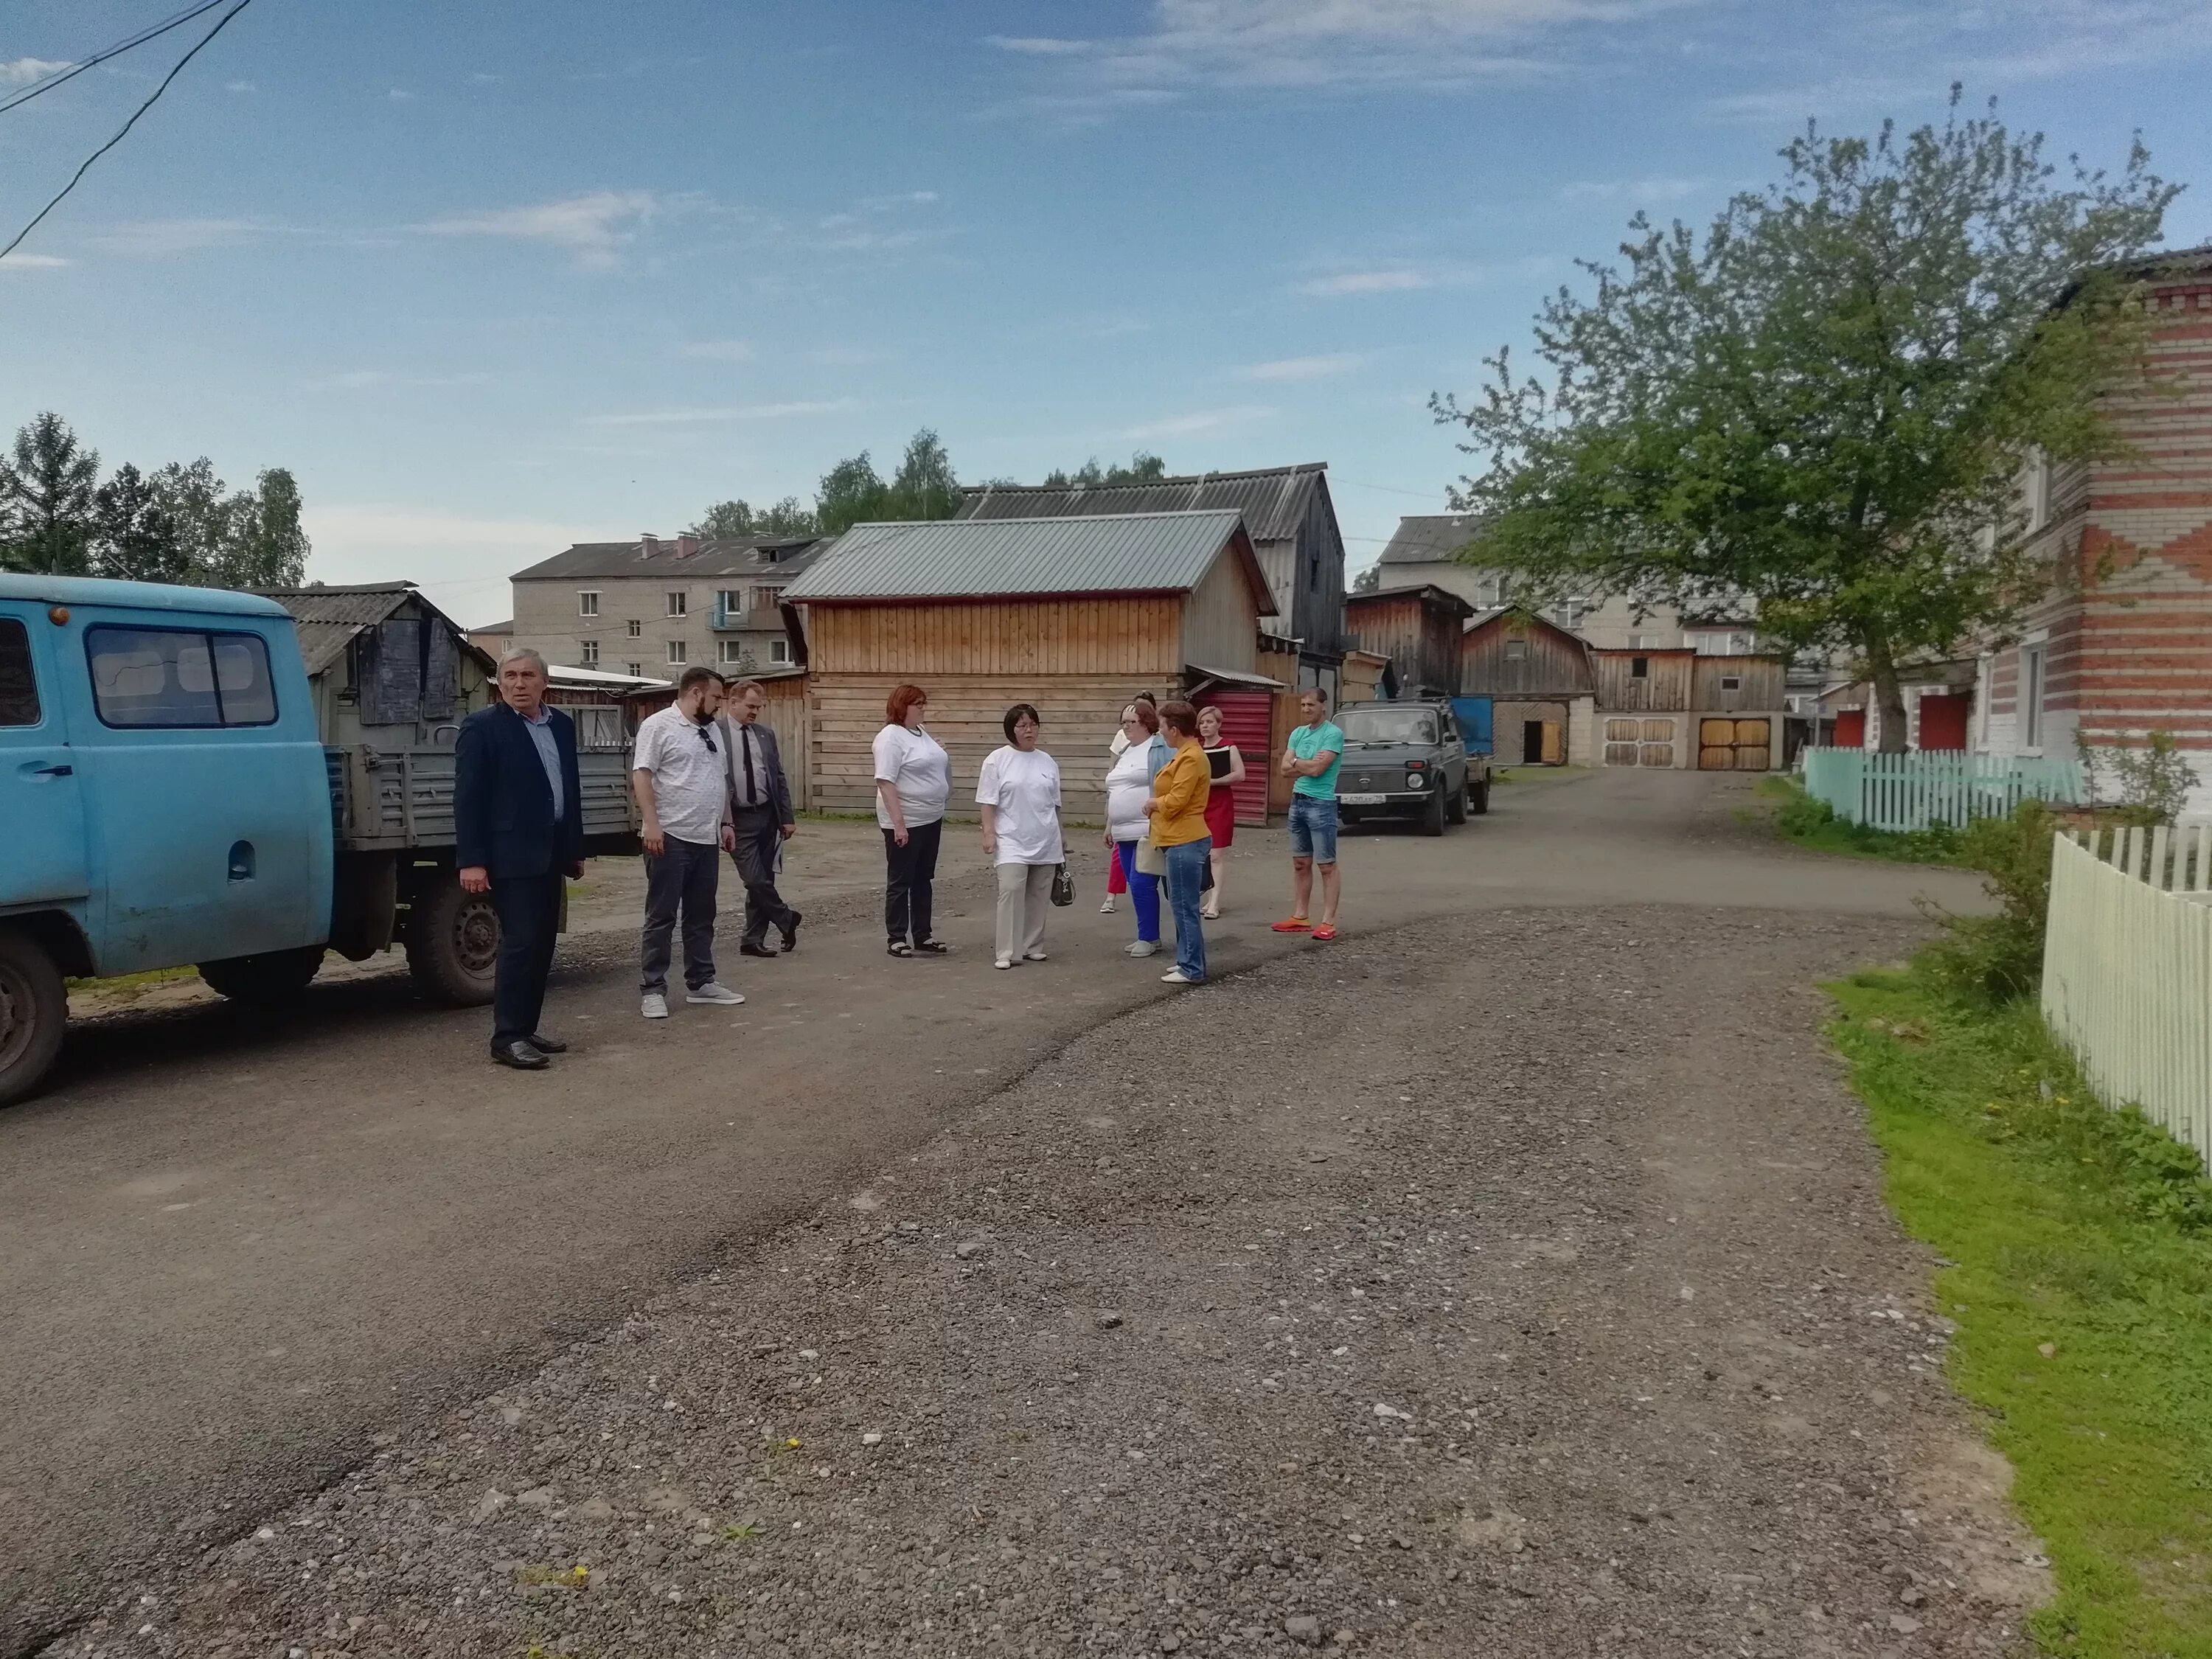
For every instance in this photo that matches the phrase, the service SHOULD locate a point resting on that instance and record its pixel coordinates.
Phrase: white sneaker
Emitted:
(1004, 961)
(1177, 976)
(1108, 908)
(715, 992)
(652, 1006)
(1145, 947)
(1032, 956)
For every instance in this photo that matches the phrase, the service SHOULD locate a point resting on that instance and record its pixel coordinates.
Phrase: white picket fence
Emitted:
(2127, 970)
(1916, 790)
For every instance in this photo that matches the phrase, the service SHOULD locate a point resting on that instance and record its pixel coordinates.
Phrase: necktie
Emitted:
(746, 741)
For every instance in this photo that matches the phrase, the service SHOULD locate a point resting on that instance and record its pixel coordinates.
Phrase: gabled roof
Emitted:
(1476, 624)
(987, 558)
(330, 618)
(1425, 591)
(1274, 501)
(1430, 538)
(742, 555)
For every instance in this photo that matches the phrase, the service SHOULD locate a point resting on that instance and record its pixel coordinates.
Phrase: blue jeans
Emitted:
(1185, 880)
(1313, 828)
(1143, 892)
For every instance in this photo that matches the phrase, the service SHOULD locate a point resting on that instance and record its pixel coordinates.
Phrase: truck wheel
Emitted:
(1478, 798)
(1456, 807)
(453, 944)
(1432, 819)
(34, 1009)
(268, 979)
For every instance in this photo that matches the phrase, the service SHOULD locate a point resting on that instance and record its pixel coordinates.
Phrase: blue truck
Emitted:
(170, 796)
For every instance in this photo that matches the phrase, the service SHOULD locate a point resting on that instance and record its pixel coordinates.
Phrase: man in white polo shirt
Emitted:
(683, 796)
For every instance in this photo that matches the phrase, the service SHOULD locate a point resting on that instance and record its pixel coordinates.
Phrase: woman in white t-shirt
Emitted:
(914, 781)
(1019, 790)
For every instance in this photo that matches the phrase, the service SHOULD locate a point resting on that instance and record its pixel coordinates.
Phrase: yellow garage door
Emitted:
(1733, 745)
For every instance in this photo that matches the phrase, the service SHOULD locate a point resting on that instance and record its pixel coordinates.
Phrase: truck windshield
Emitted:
(1371, 727)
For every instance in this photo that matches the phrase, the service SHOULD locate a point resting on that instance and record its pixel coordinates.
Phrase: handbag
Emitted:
(1063, 888)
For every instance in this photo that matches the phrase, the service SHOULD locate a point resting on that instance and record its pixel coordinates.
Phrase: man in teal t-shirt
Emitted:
(1314, 752)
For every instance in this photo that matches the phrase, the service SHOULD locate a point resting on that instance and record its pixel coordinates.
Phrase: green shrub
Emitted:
(1999, 957)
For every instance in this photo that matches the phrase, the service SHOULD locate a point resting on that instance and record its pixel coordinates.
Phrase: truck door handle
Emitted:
(60, 769)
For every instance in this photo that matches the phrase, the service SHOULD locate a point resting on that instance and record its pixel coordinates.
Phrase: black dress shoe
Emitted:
(749, 948)
(523, 1056)
(546, 1045)
(791, 930)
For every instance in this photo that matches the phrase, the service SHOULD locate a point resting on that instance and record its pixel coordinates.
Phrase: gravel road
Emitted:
(1513, 1284)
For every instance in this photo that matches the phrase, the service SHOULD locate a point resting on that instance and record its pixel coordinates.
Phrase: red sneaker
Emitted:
(1291, 925)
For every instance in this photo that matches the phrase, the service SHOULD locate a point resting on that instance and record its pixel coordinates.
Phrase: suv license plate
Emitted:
(1360, 800)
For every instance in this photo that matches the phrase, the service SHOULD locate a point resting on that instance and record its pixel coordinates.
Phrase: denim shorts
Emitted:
(1313, 828)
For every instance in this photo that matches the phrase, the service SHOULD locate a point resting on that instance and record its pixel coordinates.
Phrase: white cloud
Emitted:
(363, 379)
(733, 412)
(1366, 281)
(32, 262)
(398, 96)
(593, 227)
(1040, 46)
(154, 238)
(1632, 190)
(240, 86)
(23, 71)
(717, 351)
(1303, 368)
(1202, 419)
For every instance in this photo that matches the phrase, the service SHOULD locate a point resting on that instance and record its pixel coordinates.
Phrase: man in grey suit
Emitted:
(760, 807)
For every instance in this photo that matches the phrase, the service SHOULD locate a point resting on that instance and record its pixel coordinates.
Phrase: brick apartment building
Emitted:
(652, 607)
(2123, 646)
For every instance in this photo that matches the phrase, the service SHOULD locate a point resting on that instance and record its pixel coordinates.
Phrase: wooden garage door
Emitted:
(1639, 743)
(1730, 745)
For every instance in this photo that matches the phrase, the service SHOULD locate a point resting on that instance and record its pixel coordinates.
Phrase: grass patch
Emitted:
(1797, 817)
(2082, 1288)
(134, 984)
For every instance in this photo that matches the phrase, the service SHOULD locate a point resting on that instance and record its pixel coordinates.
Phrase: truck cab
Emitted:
(164, 796)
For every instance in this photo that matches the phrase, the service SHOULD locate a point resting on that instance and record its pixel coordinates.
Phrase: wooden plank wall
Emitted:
(1221, 620)
(1665, 686)
(1136, 639)
(1760, 682)
(787, 715)
(1079, 715)
(1552, 665)
(1422, 639)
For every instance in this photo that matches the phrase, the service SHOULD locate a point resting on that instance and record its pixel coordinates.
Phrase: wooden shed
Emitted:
(1541, 683)
(387, 668)
(1072, 615)
(1418, 628)
(1683, 708)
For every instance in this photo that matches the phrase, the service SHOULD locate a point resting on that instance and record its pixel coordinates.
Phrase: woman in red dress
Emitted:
(1220, 802)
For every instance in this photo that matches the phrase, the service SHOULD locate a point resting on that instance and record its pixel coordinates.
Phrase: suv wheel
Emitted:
(1456, 805)
(33, 1010)
(1432, 819)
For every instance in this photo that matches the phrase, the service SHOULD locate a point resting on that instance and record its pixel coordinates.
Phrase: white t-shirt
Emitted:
(689, 782)
(1025, 788)
(914, 764)
(1128, 781)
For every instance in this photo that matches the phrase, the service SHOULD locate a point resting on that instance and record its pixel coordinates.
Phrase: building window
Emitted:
(587, 603)
(1639, 668)
(678, 603)
(636, 631)
(733, 651)
(2039, 491)
(635, 670)
(1731, 682)
(1490, 592)
(2031, 696)
(1569, 614)
(1313, 572)
(676, 651)
(1638, 641)
(1516, 650)
(731, 600)
(779, 651)
(591, 654)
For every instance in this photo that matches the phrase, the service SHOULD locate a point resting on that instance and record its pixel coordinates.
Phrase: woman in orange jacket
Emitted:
(1177, 810)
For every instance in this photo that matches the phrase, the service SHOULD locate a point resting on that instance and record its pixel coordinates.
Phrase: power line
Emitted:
(220, 22)
(70, 72)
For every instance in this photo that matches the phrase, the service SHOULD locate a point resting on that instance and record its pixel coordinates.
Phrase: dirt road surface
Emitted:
(247, 1258)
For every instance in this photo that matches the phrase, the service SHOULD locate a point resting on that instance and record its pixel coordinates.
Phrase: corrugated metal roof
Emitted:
(1273, 501)
(1430, 538)
(329, 617)
(742, 557)
(1409, 590)
(969, 558)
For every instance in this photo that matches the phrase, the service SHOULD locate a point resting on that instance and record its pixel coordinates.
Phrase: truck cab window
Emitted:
(19, 688)
(160, 676)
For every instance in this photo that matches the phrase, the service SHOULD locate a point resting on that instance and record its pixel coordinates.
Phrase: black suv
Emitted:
(1408, 759)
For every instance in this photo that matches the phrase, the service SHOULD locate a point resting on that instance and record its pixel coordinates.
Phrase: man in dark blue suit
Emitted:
(518, 830)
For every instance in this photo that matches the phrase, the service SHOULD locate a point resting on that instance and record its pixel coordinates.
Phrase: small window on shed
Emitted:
(1731, 682)
(1639, 668)
(1516, 650)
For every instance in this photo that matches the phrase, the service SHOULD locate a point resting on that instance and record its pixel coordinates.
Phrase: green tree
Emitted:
(1142, 468)
(204, 512)
(924, 487)
(1368, 580)
(789, 517)
(46, 499)
(725, 521)
(134, 537)
(851, 493)
(1822, 408)
(736, 520)
(267, 546)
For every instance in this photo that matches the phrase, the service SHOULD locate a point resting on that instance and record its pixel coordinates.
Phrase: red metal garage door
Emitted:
(1244, 716)
(1943, 722)
(1851, 729)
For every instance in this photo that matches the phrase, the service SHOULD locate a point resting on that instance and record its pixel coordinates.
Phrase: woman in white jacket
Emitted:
(1128, 785)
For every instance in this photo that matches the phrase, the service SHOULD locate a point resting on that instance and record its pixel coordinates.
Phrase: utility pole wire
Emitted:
(120, 132)
(71, 71)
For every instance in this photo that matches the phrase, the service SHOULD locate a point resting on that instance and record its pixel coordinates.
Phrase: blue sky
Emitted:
(493, 277)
